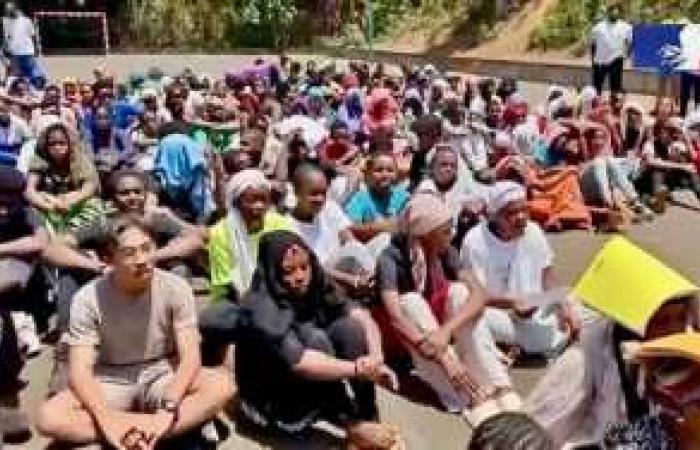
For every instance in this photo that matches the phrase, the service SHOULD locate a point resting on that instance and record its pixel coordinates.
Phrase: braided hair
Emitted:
(510, 431)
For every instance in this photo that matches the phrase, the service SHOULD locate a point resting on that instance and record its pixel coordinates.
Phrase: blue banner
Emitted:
(650, 47)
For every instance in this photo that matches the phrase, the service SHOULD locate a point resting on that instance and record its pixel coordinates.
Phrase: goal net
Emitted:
(72, 31)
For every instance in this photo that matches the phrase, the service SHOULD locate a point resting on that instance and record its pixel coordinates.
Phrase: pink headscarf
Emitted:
(425, 213)
(382, 110)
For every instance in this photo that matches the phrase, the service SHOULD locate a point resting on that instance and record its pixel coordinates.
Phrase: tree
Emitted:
(273, 19)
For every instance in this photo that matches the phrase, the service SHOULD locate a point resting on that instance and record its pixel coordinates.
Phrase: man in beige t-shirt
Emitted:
(135, 374)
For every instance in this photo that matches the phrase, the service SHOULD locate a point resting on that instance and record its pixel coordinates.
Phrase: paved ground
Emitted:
(672, 237)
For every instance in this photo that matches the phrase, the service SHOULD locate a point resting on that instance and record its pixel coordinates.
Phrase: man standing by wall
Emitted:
(611, 41)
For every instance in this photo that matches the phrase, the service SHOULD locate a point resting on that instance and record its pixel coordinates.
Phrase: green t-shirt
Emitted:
(221, 259)
(220, 141)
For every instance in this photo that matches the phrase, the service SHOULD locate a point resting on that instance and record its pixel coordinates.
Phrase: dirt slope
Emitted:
(515, 34)
(455, 34)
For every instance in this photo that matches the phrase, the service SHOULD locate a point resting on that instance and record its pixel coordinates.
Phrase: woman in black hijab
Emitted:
(299, 341)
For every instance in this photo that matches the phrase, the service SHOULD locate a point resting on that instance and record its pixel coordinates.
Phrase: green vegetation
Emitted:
(568, 23)
(226, 24)
(209, 23)
(435, 23)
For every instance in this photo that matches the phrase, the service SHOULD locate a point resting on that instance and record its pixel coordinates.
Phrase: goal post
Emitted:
(100, 18)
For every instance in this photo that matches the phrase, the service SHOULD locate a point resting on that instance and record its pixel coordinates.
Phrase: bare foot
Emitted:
(373, 436)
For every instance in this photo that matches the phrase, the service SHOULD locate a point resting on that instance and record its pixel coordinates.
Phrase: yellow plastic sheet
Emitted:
(628, 285)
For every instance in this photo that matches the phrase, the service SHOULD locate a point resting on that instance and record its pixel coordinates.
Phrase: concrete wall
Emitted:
(528, 69)
(532, 70)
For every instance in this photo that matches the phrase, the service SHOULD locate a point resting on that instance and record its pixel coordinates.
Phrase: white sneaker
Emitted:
(210, 434)
(27, 339)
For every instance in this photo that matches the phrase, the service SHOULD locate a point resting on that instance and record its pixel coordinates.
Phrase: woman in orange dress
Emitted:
(555, 200)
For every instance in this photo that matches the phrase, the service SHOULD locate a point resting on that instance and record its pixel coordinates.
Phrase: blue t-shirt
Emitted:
(363, 207)
(12, 138)
(123, 113)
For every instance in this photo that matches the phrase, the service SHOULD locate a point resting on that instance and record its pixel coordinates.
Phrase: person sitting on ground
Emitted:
(431, 301)
(22, 240)
(375, 208)
(668, 163)
(125, 114)
(632, 125)
(510, 431)
(495, 111)
(469, 139)
(555, 198)
(62, 182)
(605, 180)
(350, 112)
(100, 137)
(136, 378)
(511, 257)
(144, 138)
(592, 385)
(233, 240)
(181, 170)
(69, 90)
(301, 342)
(337, 153)
(671, 389)
(20, 98)
(54, 105)
(428, 131)
(151, 104)
(85, 109)
(14, 133)
(326, 229)
(176, 239)
(463, 197)
(215, 129)
(79, 256)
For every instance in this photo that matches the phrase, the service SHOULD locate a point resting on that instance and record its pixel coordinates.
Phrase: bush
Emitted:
(570, 21)
(209, 23)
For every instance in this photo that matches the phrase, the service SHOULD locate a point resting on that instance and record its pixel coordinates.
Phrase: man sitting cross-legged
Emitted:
(134, 362)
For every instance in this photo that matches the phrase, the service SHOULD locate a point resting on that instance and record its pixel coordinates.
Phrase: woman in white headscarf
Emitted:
(586, 100)
(233, 241)
(511, 257)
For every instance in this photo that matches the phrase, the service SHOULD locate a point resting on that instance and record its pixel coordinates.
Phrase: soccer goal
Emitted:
(72, 30)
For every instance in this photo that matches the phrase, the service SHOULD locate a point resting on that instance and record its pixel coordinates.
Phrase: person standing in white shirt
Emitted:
(20, 44)
(611, 40)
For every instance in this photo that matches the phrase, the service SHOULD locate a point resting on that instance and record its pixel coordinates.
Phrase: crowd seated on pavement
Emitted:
(300, 233)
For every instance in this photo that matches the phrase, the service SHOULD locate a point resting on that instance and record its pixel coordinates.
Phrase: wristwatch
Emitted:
(170, 406)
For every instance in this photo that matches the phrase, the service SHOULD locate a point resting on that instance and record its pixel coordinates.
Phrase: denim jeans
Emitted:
(603, 174)
(27, 66)
(690, 84)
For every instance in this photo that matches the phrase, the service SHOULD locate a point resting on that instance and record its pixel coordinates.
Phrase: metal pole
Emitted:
(38, 50)
(105, 30)
(370, 30)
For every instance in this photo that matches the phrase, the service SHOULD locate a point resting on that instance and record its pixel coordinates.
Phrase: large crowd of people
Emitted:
(356, 225)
